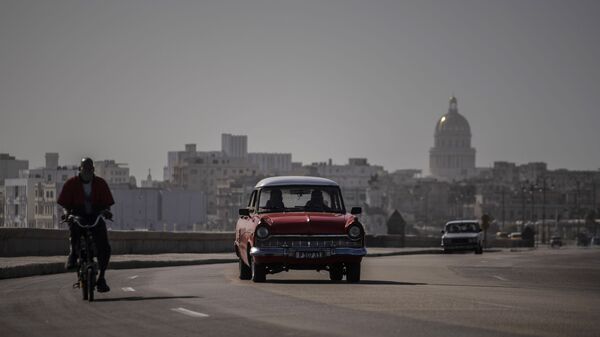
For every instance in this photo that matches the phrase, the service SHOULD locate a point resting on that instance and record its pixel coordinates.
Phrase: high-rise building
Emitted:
(152, 208)
(235, 146)
(114, 173)
(10, 167)
(272, 163)
(19, 207)
(51, 160)
(452, 157)
(30, 199)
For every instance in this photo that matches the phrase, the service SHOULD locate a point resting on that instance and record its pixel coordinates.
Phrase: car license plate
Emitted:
(309, 255)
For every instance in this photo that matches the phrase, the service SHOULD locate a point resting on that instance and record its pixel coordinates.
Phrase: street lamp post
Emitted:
(503, 207)
(577, 208)
(523, 189)
(532, 191)
(594, 207)
(544, 229)
(532, 188)
(543, 188)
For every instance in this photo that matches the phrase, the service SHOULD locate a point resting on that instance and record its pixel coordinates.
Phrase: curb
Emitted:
(32, 270)
(414, 252)
(425, 251)
(59, 267)
(135, 264)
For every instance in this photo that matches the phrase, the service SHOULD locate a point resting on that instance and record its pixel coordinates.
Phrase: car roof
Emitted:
(295, 180)
(461, 221)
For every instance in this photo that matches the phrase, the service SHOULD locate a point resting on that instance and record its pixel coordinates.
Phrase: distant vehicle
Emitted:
(462, 235)
(596, 241)
(556, 241)
(501, 235)
(299, 223)
(515, 236)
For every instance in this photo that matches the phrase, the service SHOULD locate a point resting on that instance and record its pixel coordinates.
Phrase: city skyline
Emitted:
(318, 80)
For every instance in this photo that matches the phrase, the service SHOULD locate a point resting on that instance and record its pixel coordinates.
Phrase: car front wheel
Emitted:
(336, 272)
(259, 273)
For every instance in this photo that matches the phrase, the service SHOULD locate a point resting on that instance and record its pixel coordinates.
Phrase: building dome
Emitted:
(452, 122)
(452, 156)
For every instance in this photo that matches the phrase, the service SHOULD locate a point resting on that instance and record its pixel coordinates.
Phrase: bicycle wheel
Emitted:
(90, 284)
(83, 285)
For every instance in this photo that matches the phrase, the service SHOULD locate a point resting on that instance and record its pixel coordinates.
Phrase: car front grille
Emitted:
(459, 241)
(286, 241)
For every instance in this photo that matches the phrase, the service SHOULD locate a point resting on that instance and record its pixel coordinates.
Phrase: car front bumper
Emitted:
(464, 246)
(291, 252)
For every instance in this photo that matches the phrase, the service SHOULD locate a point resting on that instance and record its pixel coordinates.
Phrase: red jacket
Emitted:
(72, 196)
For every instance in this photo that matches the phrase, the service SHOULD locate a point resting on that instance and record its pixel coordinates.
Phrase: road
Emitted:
(528, 293)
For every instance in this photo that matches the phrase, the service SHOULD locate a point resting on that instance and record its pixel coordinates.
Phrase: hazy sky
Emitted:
(131, 80)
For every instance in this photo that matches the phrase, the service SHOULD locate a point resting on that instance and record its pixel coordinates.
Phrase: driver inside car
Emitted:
(316, 202)
(275, 201)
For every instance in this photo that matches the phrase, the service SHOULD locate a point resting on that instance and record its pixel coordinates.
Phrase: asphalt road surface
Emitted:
(529, 293)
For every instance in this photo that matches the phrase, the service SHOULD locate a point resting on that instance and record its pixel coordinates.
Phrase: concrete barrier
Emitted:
(49, 242)
(509, 243)
(394, 241)
(33, 242)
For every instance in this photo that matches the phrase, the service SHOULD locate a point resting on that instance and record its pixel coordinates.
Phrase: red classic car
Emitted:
(298, 223)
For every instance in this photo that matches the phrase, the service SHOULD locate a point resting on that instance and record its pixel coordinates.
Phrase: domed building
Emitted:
(452, 157)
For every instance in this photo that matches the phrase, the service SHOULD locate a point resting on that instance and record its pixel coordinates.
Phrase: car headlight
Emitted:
(262, 232)
(354, 232)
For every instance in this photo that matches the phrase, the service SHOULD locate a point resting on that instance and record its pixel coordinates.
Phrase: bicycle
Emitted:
(87, 264)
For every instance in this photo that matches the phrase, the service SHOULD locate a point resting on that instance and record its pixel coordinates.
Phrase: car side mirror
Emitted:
(244, 212)
(356, 210)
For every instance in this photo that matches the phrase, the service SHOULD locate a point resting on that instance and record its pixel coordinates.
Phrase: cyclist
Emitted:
(87, 196)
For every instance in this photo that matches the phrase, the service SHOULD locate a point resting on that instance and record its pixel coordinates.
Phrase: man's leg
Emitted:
(74, 238)
(103, 248)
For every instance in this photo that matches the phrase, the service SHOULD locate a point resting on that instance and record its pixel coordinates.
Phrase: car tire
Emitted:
(353, 272)
(259, 273)
(245, 271)
(447, 251)
(336, 272)
(479, 250)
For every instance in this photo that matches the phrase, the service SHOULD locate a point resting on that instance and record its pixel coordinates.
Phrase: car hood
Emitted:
(307, 223)
(460, 235)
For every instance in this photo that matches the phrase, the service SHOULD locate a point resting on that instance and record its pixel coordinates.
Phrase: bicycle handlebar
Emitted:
(77, 220)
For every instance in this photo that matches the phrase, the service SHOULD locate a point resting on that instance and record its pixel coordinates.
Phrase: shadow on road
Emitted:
(375, 282)
(142, 298)
(368, 282)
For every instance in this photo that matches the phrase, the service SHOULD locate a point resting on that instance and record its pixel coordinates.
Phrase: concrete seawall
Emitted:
(50, 242)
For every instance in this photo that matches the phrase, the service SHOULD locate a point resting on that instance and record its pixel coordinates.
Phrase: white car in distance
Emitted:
(462, 235)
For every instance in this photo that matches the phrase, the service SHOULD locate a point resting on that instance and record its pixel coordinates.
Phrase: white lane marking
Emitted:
(500, 278)
(133, 277)
(189, 312)
(497, 305)
(128, 289)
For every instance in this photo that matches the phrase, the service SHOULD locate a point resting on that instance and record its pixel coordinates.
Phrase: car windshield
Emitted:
(463, 227)
(300, 199)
